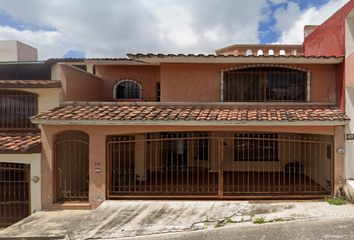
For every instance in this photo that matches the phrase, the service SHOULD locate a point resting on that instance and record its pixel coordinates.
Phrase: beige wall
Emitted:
(146, 76)
(35, 167)
(48, 98)
(12, 50)
(78, 85)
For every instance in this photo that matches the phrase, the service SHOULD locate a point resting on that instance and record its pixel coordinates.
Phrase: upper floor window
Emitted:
(127, 89)
(257, 83)
(16, 107)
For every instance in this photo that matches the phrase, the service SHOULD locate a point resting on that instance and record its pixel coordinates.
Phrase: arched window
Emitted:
(16, 107)
(271, 52)
(259, 52)
(248, 52)
(282, 52)
(265, 83)
(127, 89)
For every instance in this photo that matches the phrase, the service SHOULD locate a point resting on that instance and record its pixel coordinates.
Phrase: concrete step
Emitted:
(69, 206)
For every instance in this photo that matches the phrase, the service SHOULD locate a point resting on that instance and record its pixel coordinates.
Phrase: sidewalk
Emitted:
(118, 219)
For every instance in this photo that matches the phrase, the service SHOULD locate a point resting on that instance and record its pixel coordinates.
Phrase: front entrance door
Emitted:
(72, 167)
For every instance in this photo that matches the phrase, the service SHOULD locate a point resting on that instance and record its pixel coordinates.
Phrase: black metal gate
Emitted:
(14, 192)
(225, 165)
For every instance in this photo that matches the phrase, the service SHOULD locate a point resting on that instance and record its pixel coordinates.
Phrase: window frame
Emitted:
(307, 83)
(123, 81)
(17, 111)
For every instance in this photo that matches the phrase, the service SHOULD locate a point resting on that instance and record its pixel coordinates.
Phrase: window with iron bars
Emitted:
(127, 89)
(256, 147)
(16, 107)
(265, 84)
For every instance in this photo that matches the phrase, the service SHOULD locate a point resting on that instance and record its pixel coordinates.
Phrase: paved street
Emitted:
(342, 228)
(191, 220)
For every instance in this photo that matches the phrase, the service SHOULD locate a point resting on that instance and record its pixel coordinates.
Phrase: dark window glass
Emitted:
(15, 109)
(158, 86)
(265, 84)
(25, 72)
(128, 90)
(256, 147)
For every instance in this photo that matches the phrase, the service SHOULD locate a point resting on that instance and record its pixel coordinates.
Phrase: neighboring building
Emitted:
(15, 51)
(335, 37)
(26, 89)
(194, 127)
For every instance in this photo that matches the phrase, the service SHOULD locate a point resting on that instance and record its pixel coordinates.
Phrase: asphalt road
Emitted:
(309, 229)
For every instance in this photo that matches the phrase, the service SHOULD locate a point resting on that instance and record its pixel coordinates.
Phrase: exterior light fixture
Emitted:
(35, 179)
(340, 150)
(350, 136)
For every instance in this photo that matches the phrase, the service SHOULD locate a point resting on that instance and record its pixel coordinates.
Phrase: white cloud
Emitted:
(43, 40)
(278, 1)
(291, 20)
(113, 28)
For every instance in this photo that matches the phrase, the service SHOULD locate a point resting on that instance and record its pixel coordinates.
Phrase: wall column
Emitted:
(339, 158)
(97, 160)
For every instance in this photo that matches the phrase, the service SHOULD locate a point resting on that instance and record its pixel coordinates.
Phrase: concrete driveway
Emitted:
(118, 219)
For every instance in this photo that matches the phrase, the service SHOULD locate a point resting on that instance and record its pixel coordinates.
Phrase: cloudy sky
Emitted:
(112, 28)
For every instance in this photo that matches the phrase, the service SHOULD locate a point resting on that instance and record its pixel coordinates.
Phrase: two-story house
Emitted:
(250, 122)
(26, 89)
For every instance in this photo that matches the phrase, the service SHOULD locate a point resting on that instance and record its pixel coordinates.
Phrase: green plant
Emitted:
(228, 220)
(337, 201)
(259, 220)
(334, 201)
(218, 225)
(271, 221)
(278, 220)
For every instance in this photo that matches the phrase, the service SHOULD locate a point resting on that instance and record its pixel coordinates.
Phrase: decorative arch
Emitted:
(260, 52)
(71, 166)
(271, 52)
(265, 82)
(248, 52)
(282, 52)
(127, 89)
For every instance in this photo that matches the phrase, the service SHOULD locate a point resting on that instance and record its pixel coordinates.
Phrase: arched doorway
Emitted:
(71, 162)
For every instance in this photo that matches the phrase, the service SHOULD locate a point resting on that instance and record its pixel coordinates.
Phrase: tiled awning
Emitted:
(29, 84)
(20, 142)
(111, 113)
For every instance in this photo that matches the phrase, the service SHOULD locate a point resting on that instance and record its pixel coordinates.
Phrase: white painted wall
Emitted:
(26, 52)
(11, 50)
(35, 164)
(55, 71)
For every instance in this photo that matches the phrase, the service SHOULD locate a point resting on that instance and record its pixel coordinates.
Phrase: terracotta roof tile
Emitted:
(29, 83)
(198, 113)
(18, 141)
